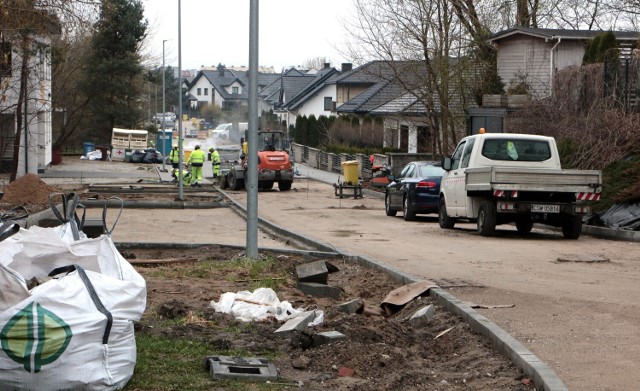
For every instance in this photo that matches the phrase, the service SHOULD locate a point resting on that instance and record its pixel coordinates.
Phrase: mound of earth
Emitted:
(28, 191)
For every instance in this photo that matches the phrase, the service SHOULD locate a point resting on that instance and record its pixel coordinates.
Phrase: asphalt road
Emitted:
(574, 302)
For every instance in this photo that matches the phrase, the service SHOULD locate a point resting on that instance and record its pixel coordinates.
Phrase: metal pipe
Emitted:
(180, 151)
(164, 110)
(551, 65)
(251, 184)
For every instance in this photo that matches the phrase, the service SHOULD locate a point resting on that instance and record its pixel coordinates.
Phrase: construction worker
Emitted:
(186, 176)
(174, 157)
(215, 162)
(196, 161)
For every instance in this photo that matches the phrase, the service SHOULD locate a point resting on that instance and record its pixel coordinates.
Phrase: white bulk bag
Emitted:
(75, 330)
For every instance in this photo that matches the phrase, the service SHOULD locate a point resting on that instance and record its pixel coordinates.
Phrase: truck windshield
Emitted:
(516, 150)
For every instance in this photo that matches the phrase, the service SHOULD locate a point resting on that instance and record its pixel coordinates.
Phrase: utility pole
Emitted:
(164, 110)
(252, 135)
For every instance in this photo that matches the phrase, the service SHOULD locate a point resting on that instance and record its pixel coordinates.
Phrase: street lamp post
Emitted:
(164, 110)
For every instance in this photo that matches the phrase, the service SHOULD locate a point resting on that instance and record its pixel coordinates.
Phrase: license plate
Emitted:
(545, 208)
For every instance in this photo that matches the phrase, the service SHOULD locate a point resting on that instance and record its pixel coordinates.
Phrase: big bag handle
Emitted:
(69, 204)
(104, 215)
(92, 293)
(7, 229)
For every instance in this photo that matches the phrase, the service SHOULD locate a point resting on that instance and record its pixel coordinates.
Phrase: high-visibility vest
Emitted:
(197, 157)
(215, 158)
(174, 155)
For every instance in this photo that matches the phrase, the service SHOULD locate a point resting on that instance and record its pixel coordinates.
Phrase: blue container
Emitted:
(167, 141)
(88, 147)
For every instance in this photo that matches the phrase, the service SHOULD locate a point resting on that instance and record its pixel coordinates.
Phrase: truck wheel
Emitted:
(487, 218)
(572, 227)
(444, 220)
(265, 185)
(409, 214)
(222, 181)
(524, 225)
(235, 183)
(387, 206)
(284, 185)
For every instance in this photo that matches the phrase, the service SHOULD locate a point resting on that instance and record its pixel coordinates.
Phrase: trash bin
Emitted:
(350, 172)
(187, 154)
(88, 147)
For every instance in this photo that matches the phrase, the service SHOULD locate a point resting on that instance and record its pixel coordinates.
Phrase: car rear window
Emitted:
(516, 150)
(427, 171)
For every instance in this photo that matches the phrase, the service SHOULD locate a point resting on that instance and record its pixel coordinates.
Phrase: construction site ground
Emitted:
(572, 303)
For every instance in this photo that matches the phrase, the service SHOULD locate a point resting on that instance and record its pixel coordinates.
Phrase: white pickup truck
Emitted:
(500, 178)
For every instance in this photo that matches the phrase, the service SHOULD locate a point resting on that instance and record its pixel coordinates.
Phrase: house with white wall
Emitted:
(34, 139)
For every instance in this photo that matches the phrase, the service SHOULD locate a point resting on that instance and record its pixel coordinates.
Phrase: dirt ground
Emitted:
(386, 353)
(580, 316)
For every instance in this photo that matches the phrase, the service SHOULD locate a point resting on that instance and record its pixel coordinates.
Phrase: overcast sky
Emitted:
(217, 31)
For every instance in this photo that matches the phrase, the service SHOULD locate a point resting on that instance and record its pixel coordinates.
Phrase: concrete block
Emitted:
(320, 290)
(297, 323)
(245, 368)
(351, 307)
(427, 313)
(327, 337)
(313, 272)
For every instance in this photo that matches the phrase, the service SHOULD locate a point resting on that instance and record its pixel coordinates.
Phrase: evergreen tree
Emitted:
(114, 75)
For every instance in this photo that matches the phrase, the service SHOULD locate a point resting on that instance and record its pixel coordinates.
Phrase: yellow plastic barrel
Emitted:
(350, 172)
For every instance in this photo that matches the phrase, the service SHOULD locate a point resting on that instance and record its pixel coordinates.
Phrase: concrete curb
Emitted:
(542, 376)
(155, 204)
(611, 233)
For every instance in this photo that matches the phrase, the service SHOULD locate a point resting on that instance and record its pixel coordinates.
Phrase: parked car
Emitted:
(415, 190)
(222, 131)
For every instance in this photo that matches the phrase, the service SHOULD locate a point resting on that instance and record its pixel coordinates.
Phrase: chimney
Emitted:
(327, 65)
(347, 66)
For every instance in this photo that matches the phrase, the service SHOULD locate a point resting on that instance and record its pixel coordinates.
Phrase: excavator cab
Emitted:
(270, 140)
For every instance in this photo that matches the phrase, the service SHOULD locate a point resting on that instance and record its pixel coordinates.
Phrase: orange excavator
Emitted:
(274, 164)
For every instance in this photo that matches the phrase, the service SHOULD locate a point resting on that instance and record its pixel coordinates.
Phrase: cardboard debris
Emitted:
(399, 297)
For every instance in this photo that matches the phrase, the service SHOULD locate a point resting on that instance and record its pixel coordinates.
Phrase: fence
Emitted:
(332, 162)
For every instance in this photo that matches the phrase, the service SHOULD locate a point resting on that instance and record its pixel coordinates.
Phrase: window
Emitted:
(407, 172)
(516, 150)
(467, 153)
(328, 103)
(427, 171)
(235, 90)
(206, 91)
(5, 59)
(457, 154)
(199, 91)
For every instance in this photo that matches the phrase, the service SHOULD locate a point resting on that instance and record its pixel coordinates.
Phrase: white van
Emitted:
(222, 130)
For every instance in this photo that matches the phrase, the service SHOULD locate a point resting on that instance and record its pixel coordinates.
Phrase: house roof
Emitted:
(561, 33)
(387, 81)
(318, 82)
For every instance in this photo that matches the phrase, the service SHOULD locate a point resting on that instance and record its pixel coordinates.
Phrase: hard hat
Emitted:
(175, 145)
(211, 149)
(197, 146)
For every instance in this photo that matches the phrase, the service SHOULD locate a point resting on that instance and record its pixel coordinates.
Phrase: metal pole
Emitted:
(252, 136)
(180, 161)
(164, 110)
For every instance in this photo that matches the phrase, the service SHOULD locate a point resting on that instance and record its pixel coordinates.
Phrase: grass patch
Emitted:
(168, 364)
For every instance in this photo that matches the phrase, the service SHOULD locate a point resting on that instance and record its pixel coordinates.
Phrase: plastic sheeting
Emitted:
(620, 216)
(259, 305)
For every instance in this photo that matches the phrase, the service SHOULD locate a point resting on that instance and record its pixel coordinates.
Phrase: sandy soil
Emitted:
(385, 353)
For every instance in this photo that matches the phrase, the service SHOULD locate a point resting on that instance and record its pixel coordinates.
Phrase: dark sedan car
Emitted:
(415, 190)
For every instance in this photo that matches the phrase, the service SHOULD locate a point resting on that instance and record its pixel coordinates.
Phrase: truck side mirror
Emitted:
(446, 163)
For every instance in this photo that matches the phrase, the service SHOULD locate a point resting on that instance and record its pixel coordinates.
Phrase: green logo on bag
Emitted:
(35, 337)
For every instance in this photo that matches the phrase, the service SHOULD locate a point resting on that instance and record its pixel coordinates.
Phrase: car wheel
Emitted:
(387, 205)
(409, 214)
(234, 182)
(444, 220)
(284, 185)
(572, 227)
(487, 218)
